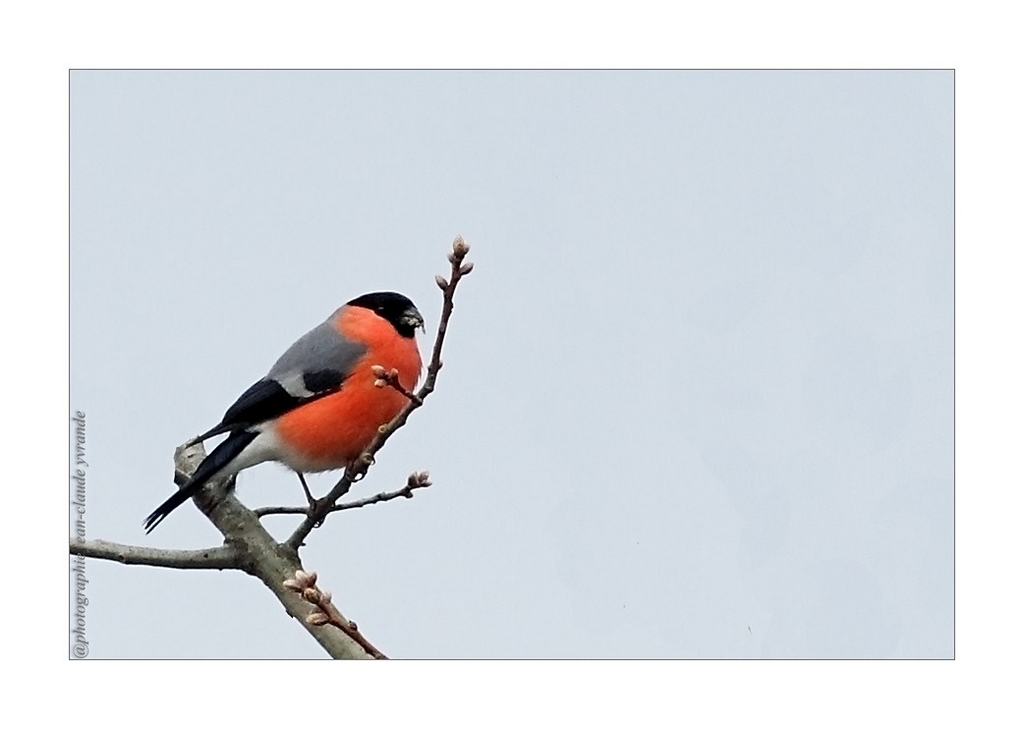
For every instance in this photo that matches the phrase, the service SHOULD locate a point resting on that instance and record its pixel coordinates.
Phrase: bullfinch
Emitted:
(319, 407)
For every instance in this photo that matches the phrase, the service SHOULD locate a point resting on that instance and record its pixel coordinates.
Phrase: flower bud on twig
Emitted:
(317, 618)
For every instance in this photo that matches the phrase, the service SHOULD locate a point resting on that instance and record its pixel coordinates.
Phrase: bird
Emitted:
(321, 403)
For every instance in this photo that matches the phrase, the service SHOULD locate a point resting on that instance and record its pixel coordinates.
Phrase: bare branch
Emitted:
(263, 511)
(259, 554)
(214, 558)
(460, 268)
(416, 481)
(420, 480)
(304, 583)
(389, 378)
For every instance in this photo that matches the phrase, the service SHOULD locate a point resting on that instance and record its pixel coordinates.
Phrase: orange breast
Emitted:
(330, 432)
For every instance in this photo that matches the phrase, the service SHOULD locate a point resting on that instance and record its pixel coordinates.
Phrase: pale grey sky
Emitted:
(698, 394)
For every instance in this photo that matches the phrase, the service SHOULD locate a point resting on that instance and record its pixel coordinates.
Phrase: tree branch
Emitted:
(389, 378)
(419, 480)
(213, 558)
(304, 583)
(259, 554)
(253, 551)
(460, 268)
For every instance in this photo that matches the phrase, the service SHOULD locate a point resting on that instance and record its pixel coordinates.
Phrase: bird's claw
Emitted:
(314, 507)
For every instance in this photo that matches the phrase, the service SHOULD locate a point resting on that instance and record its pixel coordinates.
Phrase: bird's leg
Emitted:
(305, 489)
(369, 460)
(313, 503)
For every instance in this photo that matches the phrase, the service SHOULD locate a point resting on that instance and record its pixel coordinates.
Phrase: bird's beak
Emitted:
(413, 318)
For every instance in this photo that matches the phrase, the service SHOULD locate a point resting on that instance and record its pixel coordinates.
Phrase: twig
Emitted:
(215, 558)
(460, 268)
(326, 613)
(416, 481)
(387, 378)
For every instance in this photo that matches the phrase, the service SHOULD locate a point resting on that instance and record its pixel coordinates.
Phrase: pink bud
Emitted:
(317, 618)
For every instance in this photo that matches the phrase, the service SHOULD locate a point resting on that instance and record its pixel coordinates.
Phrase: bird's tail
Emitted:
(221, 456)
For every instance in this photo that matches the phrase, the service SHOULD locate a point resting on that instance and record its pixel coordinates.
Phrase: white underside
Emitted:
(268, 447)
(265, 447)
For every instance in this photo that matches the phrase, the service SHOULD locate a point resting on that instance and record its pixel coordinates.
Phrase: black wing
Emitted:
(315, 366)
